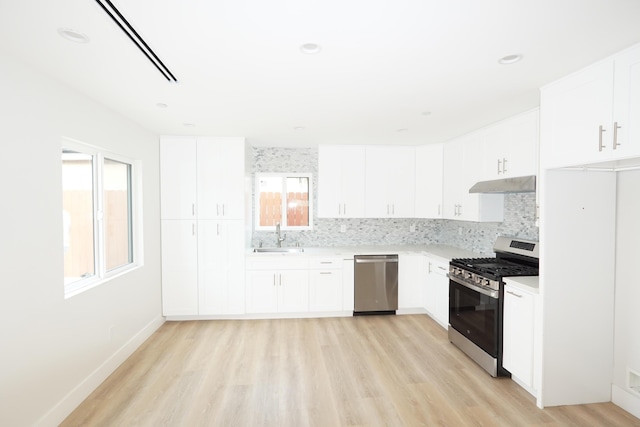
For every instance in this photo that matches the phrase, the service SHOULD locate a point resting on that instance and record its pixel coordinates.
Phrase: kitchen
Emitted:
(64, 347)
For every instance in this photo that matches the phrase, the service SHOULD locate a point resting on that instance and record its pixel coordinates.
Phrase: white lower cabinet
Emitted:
(519, 335)
(221, 267)
(325, 284)
(412, 271)
(277, 285)
(179, 268)
(436, 291)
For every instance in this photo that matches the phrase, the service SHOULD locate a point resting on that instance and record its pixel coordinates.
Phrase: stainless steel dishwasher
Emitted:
(375, 284)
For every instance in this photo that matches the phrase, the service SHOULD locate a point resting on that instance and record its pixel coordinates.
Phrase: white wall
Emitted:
(54, 351)
(627, 299)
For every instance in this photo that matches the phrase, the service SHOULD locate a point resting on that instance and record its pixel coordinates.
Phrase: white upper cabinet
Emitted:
(593, 115)
(461, 171)
(510, 147)
(341, 175)
(202, 177)
(220, 171)
(178, 177)
(390, 182)
(429, 175)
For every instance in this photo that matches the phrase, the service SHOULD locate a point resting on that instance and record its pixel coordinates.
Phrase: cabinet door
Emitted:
(453, 178)
(412, 274)
(353, 181)
(518, 335)
(179, 268)
(429, 176)
(436, 298)
(390, 182)
(220, 171)
(627, 105)
(293, 291)
(572, 111)
(510, 147)
(262, 291)
(221, 266)
(341, 176)
(325, 290)
(178, 177)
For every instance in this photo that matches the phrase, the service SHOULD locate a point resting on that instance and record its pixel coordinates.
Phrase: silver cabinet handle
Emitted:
(438, 209)
(393, 209)
(325, 272)
(193, 209)
(615, 135)
(344, 208)
(193, 229)
(504, 165)
(601, 130)
(429, 268)
(514, 294)
(274, 279)
(499, 164)
(217, 210)
(217, 229)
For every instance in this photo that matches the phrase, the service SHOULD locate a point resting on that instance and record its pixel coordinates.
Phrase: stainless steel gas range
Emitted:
(476, 299)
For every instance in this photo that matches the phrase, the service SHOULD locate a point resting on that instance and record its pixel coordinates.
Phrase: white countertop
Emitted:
(444, 252)
(524, 283)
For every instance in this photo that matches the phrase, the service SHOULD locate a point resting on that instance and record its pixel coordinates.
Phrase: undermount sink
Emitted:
(266, 250)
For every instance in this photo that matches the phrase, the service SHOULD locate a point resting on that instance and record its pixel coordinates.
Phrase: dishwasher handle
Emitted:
(363, 259)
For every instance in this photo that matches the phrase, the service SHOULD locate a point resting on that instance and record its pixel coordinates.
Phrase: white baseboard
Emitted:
(75, 397)
(630, 402)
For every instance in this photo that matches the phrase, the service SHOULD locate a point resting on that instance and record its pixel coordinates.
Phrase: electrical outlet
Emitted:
(412, 228)
(343, 228)
(459, 231)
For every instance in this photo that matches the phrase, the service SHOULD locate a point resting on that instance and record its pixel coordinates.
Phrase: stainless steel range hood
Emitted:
(522, 184)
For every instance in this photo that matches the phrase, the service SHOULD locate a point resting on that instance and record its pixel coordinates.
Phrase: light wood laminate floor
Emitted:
(354, 371)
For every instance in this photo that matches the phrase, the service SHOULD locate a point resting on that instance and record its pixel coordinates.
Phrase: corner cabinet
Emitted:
(341, 177)
(390, 182)
(202, 225)
(412, 273)
(593, 115)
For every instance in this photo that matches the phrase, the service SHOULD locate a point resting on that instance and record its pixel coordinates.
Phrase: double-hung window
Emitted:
(98, 216)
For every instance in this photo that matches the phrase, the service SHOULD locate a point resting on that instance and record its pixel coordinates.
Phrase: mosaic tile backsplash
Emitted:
(519, 216)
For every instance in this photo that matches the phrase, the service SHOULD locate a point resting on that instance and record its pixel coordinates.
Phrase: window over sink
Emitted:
(283, 199)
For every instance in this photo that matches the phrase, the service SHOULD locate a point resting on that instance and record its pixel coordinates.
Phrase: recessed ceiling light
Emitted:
(161, 105)
(189, 125)
(509, 59)
(298, 128)
(310, 48)
(73, 35)
(426, 113)
(402, 130)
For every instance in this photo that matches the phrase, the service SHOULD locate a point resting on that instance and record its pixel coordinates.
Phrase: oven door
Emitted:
(475, 313)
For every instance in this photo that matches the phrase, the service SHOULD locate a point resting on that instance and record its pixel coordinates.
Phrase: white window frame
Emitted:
(102, 275)
(283, 176)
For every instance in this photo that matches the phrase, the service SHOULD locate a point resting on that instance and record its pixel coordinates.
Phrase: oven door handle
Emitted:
(487, 292)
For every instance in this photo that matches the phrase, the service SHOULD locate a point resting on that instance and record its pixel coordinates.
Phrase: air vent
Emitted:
(133, 35)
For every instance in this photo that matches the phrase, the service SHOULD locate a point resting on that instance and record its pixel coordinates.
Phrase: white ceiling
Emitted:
(383, 64)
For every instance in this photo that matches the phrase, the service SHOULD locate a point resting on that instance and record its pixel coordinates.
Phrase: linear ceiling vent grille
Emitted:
(133, 35)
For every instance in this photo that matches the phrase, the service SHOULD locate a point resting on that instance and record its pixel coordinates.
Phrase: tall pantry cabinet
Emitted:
(202, 216)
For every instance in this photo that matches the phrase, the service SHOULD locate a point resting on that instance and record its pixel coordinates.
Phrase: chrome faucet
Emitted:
(280, 237)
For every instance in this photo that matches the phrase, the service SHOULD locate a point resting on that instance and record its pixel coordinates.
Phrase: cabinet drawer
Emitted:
(325, 263)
